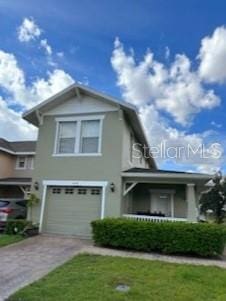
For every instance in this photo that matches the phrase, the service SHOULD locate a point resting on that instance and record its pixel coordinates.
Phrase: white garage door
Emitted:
(69, 210)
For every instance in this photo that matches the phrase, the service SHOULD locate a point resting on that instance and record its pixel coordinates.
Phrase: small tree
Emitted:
(31, 202)
(214, 199)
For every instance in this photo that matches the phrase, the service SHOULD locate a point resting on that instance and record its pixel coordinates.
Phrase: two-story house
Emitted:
(16, 166)
(87, 168)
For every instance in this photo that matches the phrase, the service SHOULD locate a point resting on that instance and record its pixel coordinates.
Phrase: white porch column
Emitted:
(42, 207)
(192, 212)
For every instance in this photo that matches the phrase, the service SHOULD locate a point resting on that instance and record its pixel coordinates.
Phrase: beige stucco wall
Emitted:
(106, 167)
(6, 165)
(23, 173)
(126, 151)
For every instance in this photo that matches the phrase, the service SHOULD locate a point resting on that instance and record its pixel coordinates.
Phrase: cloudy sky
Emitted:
(166, 57)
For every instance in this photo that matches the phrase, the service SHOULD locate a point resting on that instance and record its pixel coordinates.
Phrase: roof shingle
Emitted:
(18, 146)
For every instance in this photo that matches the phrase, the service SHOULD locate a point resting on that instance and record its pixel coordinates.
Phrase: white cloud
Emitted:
(18, 92)
(176, 90)
(193, 147)
(13, 81)
(28, 30)
(12, 78)
(12, 126)
(44, 88)
(60, 54)
(212, 56)
(44, 44)
(167, 53)
(215, 124)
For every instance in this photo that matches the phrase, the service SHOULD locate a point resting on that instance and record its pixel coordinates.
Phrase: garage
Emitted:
(69, 210)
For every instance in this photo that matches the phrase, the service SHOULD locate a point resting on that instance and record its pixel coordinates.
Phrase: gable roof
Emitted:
(35, 114)
(17, 147)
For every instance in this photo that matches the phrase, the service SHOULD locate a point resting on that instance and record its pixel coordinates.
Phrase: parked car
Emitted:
(12, 209)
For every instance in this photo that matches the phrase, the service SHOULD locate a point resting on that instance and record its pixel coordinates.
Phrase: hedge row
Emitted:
(170, 238)
(16, 226)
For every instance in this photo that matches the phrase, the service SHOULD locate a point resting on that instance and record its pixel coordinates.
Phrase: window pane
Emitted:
(90, 145)
(90, 136)
(66, 145)
(67, 137)
(90, 128)
(21, 162)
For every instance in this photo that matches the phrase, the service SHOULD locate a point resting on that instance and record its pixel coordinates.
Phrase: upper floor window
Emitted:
(78, 136)
(30, 162)
(90, 132)
(24, 162)
(67, 137)
(21, 162)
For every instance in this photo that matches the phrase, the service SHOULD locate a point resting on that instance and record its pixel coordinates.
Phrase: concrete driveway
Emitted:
(31, 259)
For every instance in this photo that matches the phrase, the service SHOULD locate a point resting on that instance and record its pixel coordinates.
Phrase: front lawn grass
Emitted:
(6, 240)
(93, 277)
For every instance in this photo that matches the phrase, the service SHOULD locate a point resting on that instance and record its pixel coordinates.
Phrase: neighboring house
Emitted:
(16, 166)
(86, 169)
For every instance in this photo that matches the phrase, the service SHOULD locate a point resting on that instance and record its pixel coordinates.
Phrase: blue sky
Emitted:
(81, 35)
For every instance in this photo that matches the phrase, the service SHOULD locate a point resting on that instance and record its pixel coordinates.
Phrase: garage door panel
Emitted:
(71, 214)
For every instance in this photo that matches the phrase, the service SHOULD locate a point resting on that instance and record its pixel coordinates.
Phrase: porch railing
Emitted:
(155, 219)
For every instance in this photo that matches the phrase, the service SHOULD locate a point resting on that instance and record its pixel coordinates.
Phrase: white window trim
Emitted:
(47, 183)
(32, 163)
(17, 163)
(78, 119)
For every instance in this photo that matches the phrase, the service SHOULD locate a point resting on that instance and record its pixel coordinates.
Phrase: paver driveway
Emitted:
(31, 259)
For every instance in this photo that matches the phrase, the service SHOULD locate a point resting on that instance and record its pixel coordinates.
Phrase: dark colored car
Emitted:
(12, 209)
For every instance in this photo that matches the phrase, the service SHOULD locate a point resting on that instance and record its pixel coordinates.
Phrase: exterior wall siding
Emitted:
(126, 150)
(106, 167)
(6, 165)
(23, 173)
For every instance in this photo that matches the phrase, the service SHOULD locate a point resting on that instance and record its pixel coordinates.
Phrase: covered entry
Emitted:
(69, 209)
(162, 195)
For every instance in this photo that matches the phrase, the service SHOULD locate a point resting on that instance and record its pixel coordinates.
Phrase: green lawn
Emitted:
(91, 277)
(9, 239)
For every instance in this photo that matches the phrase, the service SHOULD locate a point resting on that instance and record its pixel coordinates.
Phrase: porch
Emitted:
(15, 187)
(162, 196)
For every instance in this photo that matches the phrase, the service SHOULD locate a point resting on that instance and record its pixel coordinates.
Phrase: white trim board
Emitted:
(155, 175)
(15, 153)
(47, 183)
(78, 119)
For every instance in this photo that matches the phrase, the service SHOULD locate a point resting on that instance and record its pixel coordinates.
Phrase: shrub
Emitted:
(171, 238)
(16, 226)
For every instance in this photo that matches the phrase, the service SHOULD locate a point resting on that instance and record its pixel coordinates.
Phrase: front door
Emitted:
(161, 203)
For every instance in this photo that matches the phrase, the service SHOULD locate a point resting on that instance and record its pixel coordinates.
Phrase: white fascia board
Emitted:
(74, 183)
(7, 151)
(16, 153)
(24, 153)
(166, 175)
(15, 183)
(80, 118)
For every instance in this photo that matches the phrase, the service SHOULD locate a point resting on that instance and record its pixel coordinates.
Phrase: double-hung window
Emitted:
(67, 137)
(79, 136)
(21, 162)
(90, 130)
